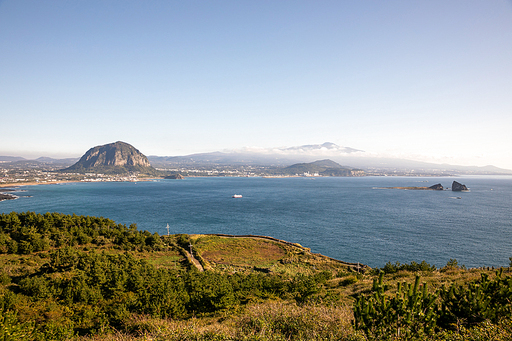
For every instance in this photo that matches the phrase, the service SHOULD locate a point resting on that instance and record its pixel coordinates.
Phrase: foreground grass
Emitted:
(325, 315)
(266, 321)
(280, 321)
(85, 278)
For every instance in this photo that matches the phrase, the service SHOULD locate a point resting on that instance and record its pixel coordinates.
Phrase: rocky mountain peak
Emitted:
(117, 157)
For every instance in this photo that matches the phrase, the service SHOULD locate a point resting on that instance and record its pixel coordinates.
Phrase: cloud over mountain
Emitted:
(324, 149)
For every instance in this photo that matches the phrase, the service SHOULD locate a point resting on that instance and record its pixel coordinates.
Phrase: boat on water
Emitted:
(237, 196)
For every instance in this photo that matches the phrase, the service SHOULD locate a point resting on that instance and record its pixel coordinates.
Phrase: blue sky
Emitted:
(426, 80)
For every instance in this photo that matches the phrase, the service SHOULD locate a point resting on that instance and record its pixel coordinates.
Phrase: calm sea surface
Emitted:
(351, 219)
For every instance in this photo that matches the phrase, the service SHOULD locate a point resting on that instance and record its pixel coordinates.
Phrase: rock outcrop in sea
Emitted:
(4, 196)
(457, 187)
(114, 158)
(175, 177)
(437, 187)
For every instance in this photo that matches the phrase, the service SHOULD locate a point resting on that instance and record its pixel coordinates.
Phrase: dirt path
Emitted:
(194, 261)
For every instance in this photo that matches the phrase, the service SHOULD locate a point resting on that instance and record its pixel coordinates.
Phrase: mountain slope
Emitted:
(114, 158)
(321, 167)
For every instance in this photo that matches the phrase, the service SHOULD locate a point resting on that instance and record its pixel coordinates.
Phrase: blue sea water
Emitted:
(352, 219)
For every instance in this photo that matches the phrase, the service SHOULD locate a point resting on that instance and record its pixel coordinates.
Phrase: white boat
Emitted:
(237, 196)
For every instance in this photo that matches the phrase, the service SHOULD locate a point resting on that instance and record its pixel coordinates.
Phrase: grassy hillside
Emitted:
(87, 278)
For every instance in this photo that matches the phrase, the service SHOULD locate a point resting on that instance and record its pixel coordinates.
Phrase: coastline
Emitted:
(32, 183)
(11, 187)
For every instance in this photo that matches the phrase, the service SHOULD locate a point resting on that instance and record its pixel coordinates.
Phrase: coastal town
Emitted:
(20, 177)
(23, 176)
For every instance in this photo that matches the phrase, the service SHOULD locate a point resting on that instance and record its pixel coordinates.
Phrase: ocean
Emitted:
(351, 219)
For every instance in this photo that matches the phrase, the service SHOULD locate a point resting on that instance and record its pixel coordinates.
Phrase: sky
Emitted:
(424, 80)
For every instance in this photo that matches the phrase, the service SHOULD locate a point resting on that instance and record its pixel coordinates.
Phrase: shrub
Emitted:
(348, 281)
(477, 301)
(13, 330)
(391, 268)
(411, 312)
(452, 264)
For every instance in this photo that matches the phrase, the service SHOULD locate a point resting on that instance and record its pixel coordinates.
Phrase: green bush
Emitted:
(411, 312)
(477, 301)
(391, 268)
(13, 330)
(348, 281)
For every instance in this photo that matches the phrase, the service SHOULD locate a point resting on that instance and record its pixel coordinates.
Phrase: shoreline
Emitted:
(33, 183)
(6, 188)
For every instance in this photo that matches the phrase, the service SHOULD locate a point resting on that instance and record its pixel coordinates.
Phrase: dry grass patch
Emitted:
(266, 321)
(239, 251)
(247, 253)
(284, 321)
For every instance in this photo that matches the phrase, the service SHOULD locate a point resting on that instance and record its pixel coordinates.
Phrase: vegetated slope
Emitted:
(321, 167)
(113, 158)
(264, 254)
(67, 275)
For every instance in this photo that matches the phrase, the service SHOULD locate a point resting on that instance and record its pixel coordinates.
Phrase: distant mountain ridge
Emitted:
(283, 157)
(11, 158)
(279, 157)
(113, 158)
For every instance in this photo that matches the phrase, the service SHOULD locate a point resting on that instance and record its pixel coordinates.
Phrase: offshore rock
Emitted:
(113, 158)
(437, 187)
(457, 187)
(175, 176)
(5, 196)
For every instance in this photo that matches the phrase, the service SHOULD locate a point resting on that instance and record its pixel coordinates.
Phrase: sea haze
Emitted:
(352, 219)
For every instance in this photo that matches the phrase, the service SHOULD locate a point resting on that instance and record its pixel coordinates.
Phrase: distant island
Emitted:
(456, 187)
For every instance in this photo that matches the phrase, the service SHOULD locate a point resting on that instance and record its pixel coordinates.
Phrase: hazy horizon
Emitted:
(426, 81)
